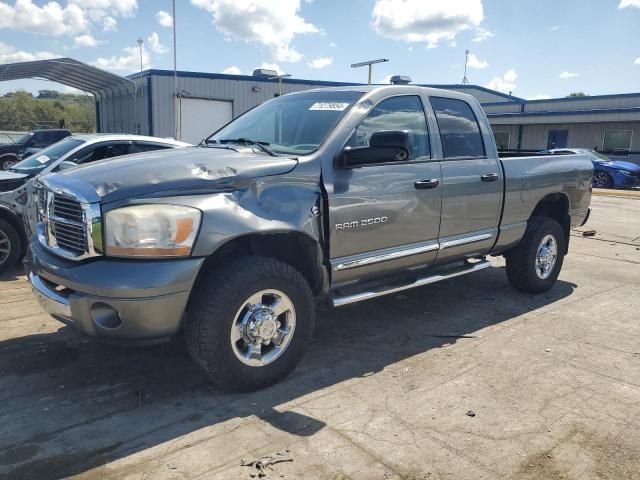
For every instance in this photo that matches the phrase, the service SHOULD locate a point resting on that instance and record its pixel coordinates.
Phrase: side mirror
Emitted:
(384, 147)
(66, 165)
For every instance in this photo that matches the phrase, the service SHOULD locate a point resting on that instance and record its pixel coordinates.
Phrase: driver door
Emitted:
(385, 217)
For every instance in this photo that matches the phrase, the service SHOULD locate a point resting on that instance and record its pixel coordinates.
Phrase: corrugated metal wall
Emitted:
(587, 135)
(240, 92)
(117, 110)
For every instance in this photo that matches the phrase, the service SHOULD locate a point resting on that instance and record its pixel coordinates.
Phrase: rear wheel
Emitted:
(249, 323)
(10, 245)
(534, 265)
(602, 180)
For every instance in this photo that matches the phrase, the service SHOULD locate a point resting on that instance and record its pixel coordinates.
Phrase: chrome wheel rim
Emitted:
(8, 164)
(546, 257)
(5, 247)
(263, 328)
(600, 179)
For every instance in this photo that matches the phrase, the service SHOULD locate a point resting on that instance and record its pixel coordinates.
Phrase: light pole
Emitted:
(465, 80)
(279, 78)
(368, 63)
(178, 132)
(136, 129)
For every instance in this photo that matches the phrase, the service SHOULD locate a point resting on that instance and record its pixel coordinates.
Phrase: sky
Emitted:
(533, 48)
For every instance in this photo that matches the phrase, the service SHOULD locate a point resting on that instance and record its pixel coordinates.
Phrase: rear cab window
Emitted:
(151, 147)
(459, 128)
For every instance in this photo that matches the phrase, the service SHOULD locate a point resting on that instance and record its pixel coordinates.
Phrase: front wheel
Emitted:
(602, 180)
(8, 162)
(249, 323)
(10, 245)
(534, 265)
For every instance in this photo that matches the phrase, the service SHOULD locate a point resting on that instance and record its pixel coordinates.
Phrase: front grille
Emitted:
(67, 209)
(68, 224)
(70, 237)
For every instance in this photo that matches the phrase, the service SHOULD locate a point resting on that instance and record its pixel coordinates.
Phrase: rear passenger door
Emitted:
(472, 181)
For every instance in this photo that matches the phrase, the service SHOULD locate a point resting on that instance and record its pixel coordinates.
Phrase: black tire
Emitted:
(212, 310)
(522, 260)
(10, 245)
(602, 180)
(8, 162)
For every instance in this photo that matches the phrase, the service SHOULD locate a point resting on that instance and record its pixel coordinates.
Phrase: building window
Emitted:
(617, 141)
(502, 140)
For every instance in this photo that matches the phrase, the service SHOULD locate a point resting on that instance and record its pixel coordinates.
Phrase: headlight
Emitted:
(151, 231)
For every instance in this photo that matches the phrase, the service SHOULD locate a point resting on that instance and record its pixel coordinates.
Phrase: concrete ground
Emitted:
(464, 379)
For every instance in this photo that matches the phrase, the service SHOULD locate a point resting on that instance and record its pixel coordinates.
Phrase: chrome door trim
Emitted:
(465, 240)
(383, 257)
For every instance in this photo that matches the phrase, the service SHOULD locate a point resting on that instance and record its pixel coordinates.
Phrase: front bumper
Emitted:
(114, 299)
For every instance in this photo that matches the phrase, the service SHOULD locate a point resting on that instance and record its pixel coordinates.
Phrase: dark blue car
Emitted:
(608, 173)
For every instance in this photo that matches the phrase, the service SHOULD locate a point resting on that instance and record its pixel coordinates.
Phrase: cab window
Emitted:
(459, 128)
(402, 113)
(100, 152)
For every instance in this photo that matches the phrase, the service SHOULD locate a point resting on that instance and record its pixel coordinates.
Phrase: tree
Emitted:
(48, 94)
(577, 94)
(21, 111)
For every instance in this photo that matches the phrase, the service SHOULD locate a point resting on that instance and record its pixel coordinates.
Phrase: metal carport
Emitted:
(67, 71)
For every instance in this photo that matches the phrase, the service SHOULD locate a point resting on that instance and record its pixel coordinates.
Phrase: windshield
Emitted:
(42, 159)
(600, 156)
(24, 138)
(292, 124)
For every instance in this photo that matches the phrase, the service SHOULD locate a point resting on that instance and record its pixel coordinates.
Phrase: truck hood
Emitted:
(179, 171)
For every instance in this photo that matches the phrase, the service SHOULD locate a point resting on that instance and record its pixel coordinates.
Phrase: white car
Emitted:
(17, 212)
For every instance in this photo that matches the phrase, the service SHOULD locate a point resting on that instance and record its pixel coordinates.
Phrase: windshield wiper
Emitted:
(264, 146)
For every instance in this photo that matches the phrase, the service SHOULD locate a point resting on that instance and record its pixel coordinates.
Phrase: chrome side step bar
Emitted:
(339, 301)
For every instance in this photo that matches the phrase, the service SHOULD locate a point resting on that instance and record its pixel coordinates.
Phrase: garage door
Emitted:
(201, 117)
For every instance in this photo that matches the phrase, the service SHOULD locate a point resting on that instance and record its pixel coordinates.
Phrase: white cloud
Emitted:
(98, 9)
(428, 21)
(85, 41)
(332, 44)
(504, 84)
(320, 62)
(8, 54)
(129, 62)
(154, 44)
(273, 23)
(232, 70)
(271, 66)
(50, 19)
(53, 19)
(385, 80)
(475, 62)
(109, 24)
(629, 3)
(164, 18)
(554, 28)
(566, 75)
(482, 35)
(539, 96)
(637, 61)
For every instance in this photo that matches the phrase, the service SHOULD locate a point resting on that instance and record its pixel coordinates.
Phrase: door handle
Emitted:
(489, 177)
(426, 184)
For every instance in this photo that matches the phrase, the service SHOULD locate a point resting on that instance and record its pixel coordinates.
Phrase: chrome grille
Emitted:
(68, 209)
(70, 228)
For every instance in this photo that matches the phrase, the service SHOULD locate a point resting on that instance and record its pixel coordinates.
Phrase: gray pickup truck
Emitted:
(339, 195)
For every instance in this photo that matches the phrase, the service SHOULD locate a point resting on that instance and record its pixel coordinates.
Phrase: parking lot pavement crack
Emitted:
(607, 258)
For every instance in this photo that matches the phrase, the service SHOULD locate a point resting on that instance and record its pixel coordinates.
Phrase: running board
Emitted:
(339, 301)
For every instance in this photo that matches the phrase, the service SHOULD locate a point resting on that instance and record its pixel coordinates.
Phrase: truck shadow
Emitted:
(71, 404)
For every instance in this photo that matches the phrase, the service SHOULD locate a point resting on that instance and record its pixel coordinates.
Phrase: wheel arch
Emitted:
(296, 248)
(555, 206)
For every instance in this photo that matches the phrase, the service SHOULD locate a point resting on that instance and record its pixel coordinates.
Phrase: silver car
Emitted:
(17, 212)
